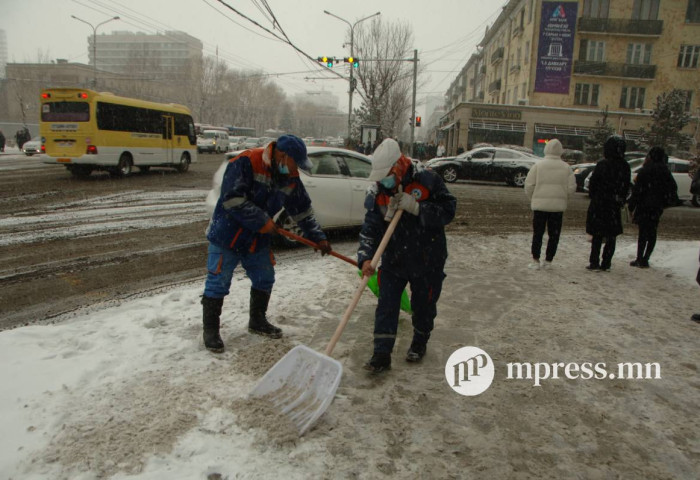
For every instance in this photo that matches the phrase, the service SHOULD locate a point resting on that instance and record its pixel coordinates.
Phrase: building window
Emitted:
(632, 97)
(639, 53)
(692, 15)
(596, 8)
(688, 56)
(515, 94)
(645, 10)
(532, 11)
(527, 51)
(592, 50)
(586, 94)
(688, 99)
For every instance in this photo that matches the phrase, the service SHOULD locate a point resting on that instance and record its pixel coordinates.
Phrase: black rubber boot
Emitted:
(418, 348)
(258, 323)
(379, 362)
(211, 313)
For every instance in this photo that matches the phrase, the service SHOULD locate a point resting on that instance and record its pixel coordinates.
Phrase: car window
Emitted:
(358, 167)
(679, 167)
(324, 164)
(506, 155)
(482, 154)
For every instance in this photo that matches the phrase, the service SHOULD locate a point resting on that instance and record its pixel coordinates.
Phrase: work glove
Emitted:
(408, 203)
(391, 208)
(367, 269)
(325, 247)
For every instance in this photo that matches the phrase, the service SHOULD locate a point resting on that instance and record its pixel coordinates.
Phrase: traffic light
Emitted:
(417, 121)
(327, 60)
(355, 61)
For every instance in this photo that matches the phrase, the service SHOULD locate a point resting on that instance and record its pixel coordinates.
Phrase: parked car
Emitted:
(493, 164)
(679, 170)
(213, 141)
(32, 146)
(337, 185)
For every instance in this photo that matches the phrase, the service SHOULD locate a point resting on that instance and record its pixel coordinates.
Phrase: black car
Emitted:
(491, 164)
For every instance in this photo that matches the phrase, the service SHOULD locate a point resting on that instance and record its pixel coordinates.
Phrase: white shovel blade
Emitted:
(301, 385)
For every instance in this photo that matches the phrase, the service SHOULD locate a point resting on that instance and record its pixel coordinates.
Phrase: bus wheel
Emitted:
(80, 170)
(125, 166)
(184, 163)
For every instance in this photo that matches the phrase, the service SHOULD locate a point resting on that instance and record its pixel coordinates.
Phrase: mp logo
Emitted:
(469, 371)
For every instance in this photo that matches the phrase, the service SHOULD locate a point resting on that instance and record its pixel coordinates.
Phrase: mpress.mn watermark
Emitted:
(470, 371)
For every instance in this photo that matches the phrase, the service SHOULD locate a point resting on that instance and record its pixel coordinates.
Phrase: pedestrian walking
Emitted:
(416, 253)
(653, 190)
(548, 185)
(256, 185)
(608, 189)
(2, 141)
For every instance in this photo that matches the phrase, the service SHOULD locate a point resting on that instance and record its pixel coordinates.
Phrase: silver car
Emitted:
(32, 147)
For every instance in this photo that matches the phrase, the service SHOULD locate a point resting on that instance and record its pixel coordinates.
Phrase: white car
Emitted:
(679, 169)
(213, 141)
(337, 185)
(32, 146)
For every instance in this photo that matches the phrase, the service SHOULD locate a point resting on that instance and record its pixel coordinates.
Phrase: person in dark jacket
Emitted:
(653, 186)
(2, 141)
(696, 316)
(416, 253)
(608, 189)
(256, 185)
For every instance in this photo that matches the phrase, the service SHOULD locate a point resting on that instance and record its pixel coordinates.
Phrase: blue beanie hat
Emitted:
(295, 148)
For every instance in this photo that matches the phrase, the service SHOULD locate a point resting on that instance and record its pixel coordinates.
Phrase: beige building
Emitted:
(547, 69)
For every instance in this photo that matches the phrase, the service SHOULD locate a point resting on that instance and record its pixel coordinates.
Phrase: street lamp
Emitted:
(352, 54)
(94, 43)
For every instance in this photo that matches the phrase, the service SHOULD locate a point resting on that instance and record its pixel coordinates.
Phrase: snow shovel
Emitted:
(302, 384)
(373, 283)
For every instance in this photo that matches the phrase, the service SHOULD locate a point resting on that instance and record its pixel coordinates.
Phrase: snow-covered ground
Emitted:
(127, 391)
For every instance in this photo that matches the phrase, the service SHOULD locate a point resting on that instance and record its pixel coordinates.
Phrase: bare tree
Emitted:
(384, 77)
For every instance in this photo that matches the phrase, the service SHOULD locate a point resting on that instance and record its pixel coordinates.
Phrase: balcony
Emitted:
(620, 26)
(620, 70)
(497, 55)
(495, 86)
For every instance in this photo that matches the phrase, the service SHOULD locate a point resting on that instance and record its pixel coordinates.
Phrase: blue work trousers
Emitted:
(221, 262)
(425, 292)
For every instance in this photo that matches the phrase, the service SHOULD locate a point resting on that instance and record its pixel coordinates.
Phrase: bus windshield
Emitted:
(65, 112)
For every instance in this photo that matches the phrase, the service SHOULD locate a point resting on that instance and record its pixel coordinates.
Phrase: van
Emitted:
(213, 141)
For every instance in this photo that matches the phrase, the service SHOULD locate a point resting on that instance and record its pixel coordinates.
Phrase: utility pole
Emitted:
(94, 44)
(352, 54)
(413, 108)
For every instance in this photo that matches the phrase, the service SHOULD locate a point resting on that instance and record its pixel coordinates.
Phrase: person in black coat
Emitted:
(2, 141)
(608, 188)
(652, 189)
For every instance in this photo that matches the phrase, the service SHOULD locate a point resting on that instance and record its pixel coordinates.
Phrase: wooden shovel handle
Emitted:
(363, 283)
(311, 244)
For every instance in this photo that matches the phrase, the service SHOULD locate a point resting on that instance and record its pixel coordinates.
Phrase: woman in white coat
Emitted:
(548, 186)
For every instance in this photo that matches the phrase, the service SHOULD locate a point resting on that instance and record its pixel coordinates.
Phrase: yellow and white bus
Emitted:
(87, 130)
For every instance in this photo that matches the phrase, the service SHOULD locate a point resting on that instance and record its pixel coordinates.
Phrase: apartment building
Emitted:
(548, 68)
(159, 56)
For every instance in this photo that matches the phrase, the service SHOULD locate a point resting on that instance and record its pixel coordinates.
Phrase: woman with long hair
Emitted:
(651, 192)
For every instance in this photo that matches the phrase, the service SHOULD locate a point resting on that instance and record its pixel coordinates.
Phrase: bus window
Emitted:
(65, 112)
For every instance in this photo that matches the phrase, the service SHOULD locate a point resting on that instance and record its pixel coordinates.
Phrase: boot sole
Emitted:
(264, 334)
(414, 358)
(215, 350)
(376, 370)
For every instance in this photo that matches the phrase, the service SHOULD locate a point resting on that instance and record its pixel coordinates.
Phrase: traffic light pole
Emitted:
(351, 90)
(413, 108)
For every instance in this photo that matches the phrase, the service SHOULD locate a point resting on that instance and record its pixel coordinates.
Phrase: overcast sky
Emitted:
(445, 31)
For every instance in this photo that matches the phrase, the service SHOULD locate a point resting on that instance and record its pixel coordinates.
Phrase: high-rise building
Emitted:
(3, 53)
(548, 68)
(160, 56)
